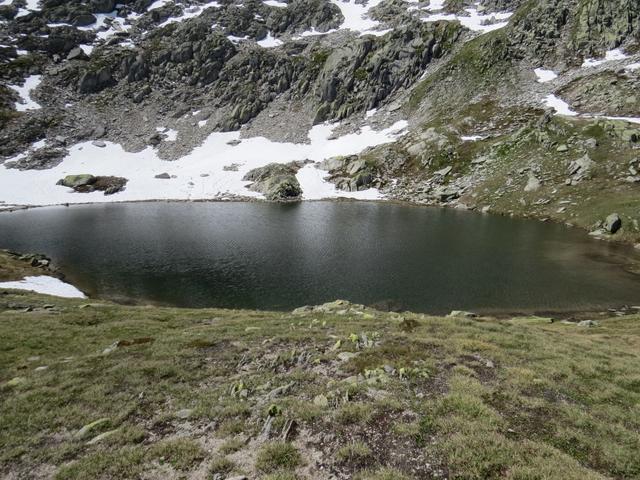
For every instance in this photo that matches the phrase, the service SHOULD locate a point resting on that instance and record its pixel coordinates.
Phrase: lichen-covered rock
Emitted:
(76, 181)
(86, 183)
(275, 181)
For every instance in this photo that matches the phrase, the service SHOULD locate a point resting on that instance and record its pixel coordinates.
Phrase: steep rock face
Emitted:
(566, 31)
(242, 80)
(363, 74)
(611, 93)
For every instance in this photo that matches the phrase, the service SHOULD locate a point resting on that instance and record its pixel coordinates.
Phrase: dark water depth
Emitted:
(269, 256)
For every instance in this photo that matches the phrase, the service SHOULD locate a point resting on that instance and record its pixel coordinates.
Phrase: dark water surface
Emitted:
(269, 256)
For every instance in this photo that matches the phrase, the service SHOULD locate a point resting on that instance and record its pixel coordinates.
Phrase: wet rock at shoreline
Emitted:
(613, 223)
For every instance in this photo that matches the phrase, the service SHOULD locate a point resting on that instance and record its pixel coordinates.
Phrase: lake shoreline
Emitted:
(616, 239)
(566, 314)
(617, 257)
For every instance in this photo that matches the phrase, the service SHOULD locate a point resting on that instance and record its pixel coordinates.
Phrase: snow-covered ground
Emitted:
(560, 106)
(563, 108)
(545, 76)
(356, 15)
(46, 285)
(190, 12)
(199, 175)
(610, 56)
(473, 20)
(275, 3)
(26, 102)
(31, 6)
(435, 5)
(270, 41)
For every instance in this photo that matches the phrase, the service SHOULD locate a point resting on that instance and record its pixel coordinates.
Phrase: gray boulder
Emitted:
(613, 223)
(103, 6)
(77, 54)
(533, 184)
(275, 181)
(83, 20)
(75, 181)
(86, 183)
(95, 81)
(42, 159)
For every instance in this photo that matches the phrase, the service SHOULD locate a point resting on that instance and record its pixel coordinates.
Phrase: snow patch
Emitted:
(560, 106)
(45, 285)
(610, 56)
(31, 6)
(189, 12)
(356, 15)
(313, 32)
(275, 3)
(157, 4)
(624, 119)
(270, 41)
(435, 5)
(87, 49)
(545, 76)
(26, 102)
(474, 21)
(314, 186)
(234, 39)
(171, 134)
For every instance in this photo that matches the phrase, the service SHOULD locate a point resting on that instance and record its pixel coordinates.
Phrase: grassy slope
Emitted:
(470, 92)
(469, 398)
(12, 267)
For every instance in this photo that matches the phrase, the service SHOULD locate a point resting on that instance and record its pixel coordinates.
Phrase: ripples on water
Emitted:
(270, 256)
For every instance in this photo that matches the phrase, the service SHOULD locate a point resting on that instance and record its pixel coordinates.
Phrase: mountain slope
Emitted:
(466, 89)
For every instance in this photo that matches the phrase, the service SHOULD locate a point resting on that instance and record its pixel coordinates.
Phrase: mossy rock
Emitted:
(75, 181)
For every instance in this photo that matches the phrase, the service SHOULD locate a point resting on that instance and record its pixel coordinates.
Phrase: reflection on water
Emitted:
(260, 255)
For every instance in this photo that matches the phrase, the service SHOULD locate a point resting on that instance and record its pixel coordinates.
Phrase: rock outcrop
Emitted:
(277, 182)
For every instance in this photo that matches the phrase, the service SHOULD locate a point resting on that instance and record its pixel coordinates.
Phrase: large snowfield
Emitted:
(200, 175)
